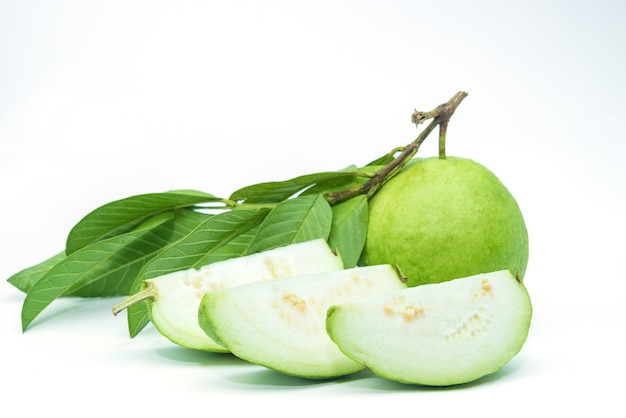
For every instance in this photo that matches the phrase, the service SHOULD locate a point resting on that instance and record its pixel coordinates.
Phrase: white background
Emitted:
(106, 99)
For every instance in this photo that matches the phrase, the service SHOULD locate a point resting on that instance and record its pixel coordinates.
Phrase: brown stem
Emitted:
(440, 117)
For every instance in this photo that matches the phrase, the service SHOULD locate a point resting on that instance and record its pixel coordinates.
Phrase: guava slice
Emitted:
(281, 324)
(436, 334)
(174, 298)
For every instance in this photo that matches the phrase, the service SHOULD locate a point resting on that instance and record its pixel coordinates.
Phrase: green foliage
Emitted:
(123, 215)
(349, 229)
(106, 267)
(278, 191)
(25, 279)
(114, 248)
(294, 220)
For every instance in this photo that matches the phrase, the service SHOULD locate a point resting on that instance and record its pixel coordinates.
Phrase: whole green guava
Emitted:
(441, 219)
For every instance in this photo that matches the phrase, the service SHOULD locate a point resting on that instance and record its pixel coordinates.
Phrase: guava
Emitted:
(443, 218)
(174, 298)
(281, 324)
(438, 334)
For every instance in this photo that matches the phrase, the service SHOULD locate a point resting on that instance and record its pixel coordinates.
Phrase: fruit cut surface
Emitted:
(281, 324)
(437, 334)
(175, 310)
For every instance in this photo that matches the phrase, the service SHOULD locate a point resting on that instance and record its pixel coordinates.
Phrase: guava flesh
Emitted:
(174, 311)
(436, 334)
(441, 219)
(281, 324)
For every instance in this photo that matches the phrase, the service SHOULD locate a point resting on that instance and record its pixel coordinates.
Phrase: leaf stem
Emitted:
(149, 292)
(440, 117)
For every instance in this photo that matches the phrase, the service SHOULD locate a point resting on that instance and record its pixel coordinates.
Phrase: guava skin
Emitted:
(441, 219)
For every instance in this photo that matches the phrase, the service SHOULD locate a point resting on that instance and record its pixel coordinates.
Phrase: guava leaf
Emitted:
(107, 267)
(220, 237)
(278, 191)
(295, 220)
(183, 221)
(123, 215)
(349, 229)
(197, 248)
(336, 184)
(386, 159)
(25, 279)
